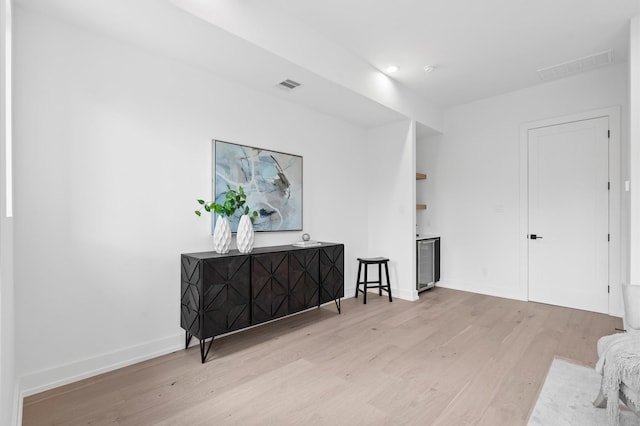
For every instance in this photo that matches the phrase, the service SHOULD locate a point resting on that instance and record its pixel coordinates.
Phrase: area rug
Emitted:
(567, 399)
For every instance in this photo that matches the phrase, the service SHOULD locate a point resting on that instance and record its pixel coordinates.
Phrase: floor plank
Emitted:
(450, 358)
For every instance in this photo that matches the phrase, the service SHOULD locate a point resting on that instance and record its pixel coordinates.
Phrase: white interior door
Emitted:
(568, 214)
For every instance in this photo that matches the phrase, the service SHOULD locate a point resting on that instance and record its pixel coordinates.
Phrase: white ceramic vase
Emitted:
(222, 235)
(244, 236)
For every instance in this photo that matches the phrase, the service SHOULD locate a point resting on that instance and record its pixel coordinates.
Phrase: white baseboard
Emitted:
(410, 295)
(496, 291)
(349, 292)
(616, 313)
(51, 378)
(58, 376)
(43, 380)
(486, 289)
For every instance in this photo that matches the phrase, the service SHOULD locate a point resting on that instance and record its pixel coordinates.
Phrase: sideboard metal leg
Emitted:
(337, 302)
(187, 340)
(203, 354)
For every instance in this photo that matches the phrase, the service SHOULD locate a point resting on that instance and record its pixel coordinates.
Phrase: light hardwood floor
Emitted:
(452, 358)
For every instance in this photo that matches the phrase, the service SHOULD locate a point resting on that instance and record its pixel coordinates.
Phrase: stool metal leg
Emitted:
(187, 339)
(366, 281)
(380, 279)
(358, 279)
(386, 268)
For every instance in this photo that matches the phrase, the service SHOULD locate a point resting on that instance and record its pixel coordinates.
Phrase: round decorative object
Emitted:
(222, 235)
(244, 237)
(306, 237)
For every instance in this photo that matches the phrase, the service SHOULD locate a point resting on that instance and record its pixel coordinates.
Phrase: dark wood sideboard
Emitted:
(221, 293)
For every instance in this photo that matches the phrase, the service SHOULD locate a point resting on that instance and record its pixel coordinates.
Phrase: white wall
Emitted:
(473, 185)
(272, 30)
(8, 383)
(634, 152)
(113, 148)
(391, 208)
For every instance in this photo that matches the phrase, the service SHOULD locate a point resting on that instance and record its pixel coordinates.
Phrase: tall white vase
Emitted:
(222, 235)
(244, 237)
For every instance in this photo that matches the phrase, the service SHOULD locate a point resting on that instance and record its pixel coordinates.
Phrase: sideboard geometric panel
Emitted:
(227, 292)
(304, 279)
(270, 286)
(227, 295)
(190, 295)
(331, 273)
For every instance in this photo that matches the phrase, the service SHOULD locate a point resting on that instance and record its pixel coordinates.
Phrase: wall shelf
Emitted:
(421, 176)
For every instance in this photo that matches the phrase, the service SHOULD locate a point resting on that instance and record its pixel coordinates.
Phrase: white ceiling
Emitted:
(482, 48)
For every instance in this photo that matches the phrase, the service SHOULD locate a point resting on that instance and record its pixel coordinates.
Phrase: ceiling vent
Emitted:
(288, 85)
(576, 66)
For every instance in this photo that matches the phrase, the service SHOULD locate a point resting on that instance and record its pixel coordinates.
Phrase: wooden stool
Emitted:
(373, 261)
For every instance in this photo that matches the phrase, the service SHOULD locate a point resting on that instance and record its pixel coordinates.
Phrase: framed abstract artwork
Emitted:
(272, 181)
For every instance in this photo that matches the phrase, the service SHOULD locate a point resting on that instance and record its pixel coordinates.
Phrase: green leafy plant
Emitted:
(233, 201)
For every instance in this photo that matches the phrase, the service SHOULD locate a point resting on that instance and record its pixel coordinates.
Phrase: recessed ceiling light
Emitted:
(430, 68)
(391, 69)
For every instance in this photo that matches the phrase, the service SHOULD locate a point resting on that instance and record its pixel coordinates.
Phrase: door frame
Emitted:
(613, 113)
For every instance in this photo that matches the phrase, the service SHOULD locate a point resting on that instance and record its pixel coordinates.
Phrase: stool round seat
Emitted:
(366, 282)
(369, 260)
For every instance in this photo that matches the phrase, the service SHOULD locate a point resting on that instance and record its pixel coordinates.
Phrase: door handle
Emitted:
(535, 237)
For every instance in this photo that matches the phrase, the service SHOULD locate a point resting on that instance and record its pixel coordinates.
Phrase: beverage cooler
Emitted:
(428, 261)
